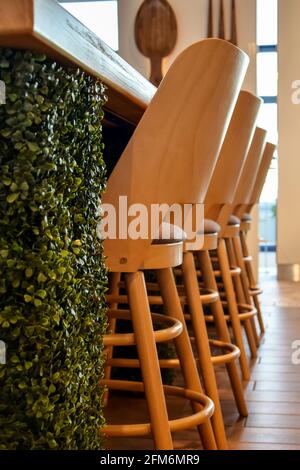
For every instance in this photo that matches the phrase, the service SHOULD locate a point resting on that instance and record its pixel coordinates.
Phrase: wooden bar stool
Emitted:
(246, 218)
(194, 299)
(152, 171)
(242, 195)
(218, 208)
(233, 244)
(241, 127)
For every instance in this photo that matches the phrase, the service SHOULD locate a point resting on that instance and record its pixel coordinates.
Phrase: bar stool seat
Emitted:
(233, 220)
(169, 234)
(210, 227)
(247, 218)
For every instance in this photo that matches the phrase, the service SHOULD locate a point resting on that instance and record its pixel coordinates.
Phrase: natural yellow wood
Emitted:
(248, 177)
(247, 267)
(141, 319)
(222, 329)
(185, 354)
(232, 158)
(262, 174)
(202, 345)
(233, 307)
(45, 26)
(185, 133)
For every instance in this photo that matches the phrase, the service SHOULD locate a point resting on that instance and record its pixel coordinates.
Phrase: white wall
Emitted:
(289, 132)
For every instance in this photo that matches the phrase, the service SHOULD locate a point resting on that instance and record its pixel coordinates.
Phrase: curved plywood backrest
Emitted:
(234, 150)
(171, 155)
(262, 173)
(251, 167)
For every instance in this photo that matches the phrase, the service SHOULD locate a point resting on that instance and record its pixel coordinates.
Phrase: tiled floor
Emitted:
(273, 394)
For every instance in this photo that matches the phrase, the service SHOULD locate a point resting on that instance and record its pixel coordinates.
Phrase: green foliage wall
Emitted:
(51, 264)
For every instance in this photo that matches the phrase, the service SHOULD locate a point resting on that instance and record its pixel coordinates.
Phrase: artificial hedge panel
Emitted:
(52, 269)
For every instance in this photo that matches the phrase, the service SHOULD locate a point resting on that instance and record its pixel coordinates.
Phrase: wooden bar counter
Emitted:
(45, 26)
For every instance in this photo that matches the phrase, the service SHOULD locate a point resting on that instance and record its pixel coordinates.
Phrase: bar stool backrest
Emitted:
(172, 153)
(262, 174)
(234, 152)
(251, 168)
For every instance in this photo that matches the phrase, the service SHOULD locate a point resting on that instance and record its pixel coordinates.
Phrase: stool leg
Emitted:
(241, 298)
(259, 314)
(246, 253)
(183, 348)
(240, 294)
(202, 344)
(244, 280)
(252, 283)
(222, 329)
(113, 289)
(232, 307)
(146, 346)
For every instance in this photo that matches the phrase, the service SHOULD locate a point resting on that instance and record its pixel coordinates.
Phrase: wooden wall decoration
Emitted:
(221, 27)
(156, 34)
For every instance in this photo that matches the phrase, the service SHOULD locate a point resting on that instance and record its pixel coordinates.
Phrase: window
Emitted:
(267, 88)
(100, 16)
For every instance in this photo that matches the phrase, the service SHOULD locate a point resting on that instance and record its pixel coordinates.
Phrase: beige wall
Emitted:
(289, 131)
(192, 18)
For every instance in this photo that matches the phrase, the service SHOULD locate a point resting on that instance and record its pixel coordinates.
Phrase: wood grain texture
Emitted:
(273, 421)
(45, 26)
(240, 446)
(251, 167)
(268, 386)
(239, 137)
(274, 405)
(265, 435)
(173, 134)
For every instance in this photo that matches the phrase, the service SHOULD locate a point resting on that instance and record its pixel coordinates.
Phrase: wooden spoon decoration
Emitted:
(156, 34)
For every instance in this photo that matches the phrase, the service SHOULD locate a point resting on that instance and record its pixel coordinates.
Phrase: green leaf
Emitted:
(24, 186)
(33, 147)
(52, 275)
(4, 253)
(14, 359)
(37, 303)
(29, 272)
(41, 278)
(42, 294)
(12, 197)
(52, 175)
